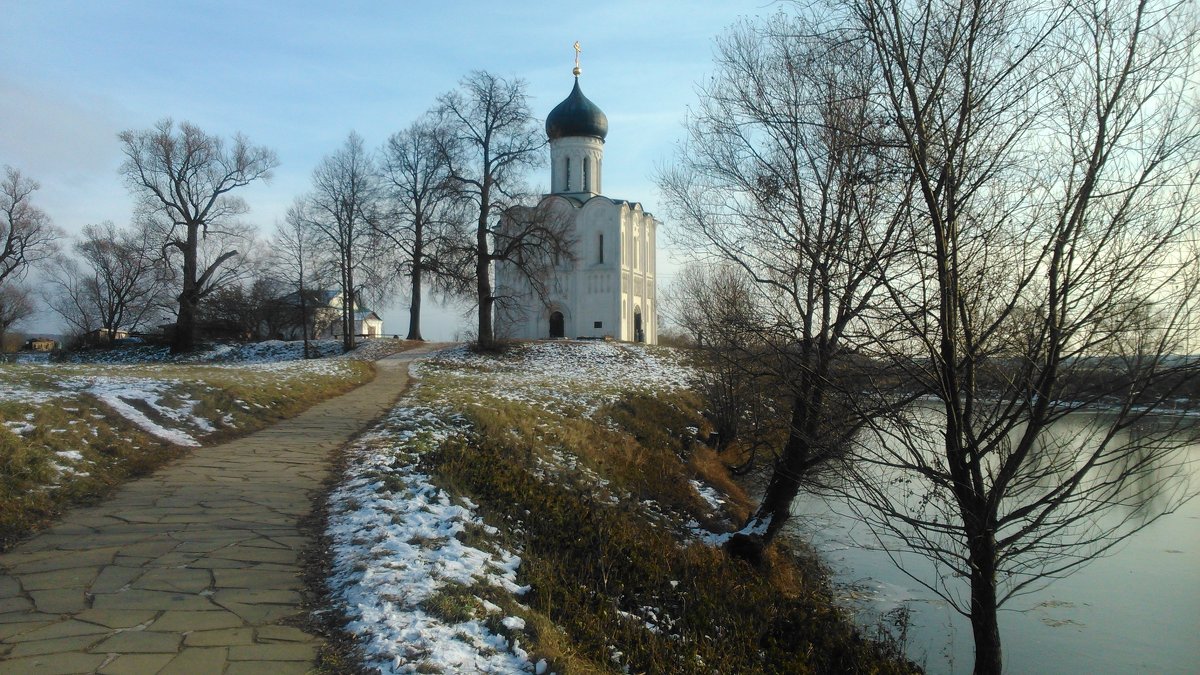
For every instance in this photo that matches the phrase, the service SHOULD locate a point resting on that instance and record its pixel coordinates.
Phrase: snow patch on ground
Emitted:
(395, 533)
(120, 393)
(16, 392)
(709, 494)
(160, 405)
(566, 376)
(395, 544)
(18, 427)
(74, 459)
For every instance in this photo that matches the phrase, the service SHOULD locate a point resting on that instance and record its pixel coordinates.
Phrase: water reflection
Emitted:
(1137, 610)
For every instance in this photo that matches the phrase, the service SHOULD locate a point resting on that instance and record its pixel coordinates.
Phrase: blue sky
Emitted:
(298, 77)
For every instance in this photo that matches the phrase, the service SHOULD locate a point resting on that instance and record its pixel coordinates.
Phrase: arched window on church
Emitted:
(600, 249)
(566, 174)
(587, 165)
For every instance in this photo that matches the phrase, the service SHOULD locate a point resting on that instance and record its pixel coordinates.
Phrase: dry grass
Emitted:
(596, 507)
(72, 449)
(37, 483)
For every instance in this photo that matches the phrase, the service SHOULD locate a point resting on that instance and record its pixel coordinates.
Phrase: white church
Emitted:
(608, 290)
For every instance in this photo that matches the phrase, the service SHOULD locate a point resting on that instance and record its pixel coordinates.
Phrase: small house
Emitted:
(41, 344)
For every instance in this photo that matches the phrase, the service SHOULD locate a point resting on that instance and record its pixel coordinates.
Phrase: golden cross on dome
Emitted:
(576, 69)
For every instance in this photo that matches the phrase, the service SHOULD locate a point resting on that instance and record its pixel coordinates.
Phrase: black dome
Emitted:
(576, 116)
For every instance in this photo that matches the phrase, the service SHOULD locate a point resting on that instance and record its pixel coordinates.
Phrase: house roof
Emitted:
(324, 297)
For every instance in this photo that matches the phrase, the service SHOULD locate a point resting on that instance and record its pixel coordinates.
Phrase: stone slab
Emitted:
(143, 599)
(194, 660)
(274, 652)
(223, 637)
(181, 621)
(59, 601)
(140, 642)
(53, 664)
(136, 664)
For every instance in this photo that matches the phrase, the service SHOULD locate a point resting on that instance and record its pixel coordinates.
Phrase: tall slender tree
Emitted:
(783, 176)
(425, 227)
(492, 141)
(294, 262)
(1053, 148)
(344, 208)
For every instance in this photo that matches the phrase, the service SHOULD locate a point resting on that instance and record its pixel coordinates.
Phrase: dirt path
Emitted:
(191, 569)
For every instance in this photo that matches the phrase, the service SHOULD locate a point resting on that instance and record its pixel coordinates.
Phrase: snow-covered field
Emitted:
(395, 533)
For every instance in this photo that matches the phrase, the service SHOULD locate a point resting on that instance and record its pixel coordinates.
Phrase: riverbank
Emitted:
(547, 510)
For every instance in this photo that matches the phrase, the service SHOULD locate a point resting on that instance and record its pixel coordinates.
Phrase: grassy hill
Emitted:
(551, 510)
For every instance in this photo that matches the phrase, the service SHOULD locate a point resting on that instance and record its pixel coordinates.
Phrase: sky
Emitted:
(298, 77)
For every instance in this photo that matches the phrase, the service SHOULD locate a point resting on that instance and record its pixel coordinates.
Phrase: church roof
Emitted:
(576, 116)
(579, 202)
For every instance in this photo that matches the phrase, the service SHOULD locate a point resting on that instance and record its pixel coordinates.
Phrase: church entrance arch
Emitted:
(557, 325)
(638, 334)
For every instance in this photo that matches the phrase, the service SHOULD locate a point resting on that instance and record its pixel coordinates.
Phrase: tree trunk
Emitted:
(776, 506)
(486, 338)
(414, 308)
(184, 339)
(414, 311)
(348, 304)
(984, 624)
(304, 317)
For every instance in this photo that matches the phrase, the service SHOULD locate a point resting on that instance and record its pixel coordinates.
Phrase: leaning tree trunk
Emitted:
(776, 507)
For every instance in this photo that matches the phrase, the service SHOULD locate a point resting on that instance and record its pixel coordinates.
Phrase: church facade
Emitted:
(608, 289)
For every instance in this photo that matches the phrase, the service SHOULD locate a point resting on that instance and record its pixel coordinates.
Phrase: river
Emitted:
(1135, 611)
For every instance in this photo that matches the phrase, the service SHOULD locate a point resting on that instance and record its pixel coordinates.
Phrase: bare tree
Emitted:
(783, 176)
(16, 305)
(122, 283)
(344, 208)
(1047, 297)
(492, 142)
(426, 224)
(715, 304)
(26, 233)
(184, 179)
(294, 263)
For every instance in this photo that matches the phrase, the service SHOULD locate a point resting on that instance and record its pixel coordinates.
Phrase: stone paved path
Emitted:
(191, 569)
